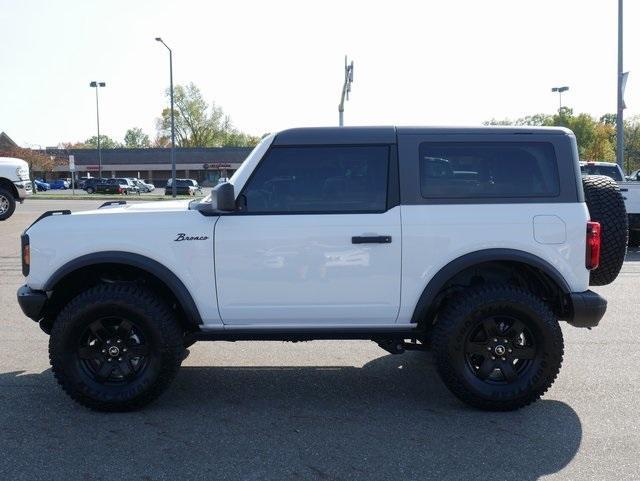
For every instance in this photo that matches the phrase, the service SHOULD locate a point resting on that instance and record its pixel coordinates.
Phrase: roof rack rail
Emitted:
(113, 202)
(47, 214)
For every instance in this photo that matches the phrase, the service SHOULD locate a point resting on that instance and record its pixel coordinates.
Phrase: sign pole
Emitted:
(72, 170)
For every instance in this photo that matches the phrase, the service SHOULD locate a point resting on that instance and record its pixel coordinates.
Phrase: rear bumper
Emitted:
(587, 308)
(24, 188)
(32, 302)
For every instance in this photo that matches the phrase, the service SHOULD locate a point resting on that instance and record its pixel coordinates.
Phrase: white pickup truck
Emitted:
(630, 191)
(14, 185)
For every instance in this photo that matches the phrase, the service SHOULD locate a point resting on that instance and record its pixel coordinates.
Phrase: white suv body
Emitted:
(379, 287)
(339, 233)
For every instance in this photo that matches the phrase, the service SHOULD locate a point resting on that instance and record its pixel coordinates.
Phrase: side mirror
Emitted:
(225, 197)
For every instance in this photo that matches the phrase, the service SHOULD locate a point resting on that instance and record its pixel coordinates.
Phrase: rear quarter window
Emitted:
(462, 170)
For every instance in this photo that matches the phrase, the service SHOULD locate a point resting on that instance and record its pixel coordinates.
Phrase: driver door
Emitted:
(316, 241)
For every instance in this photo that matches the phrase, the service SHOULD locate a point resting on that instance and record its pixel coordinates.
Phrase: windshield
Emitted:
(242, 167)
(609, 170)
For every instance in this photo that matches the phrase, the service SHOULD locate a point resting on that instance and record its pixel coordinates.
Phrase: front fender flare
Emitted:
(164, 274)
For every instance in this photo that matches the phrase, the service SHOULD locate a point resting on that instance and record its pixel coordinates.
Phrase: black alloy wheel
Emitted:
(116, 347)
(497, 347)
(113, 350)
(500, 349)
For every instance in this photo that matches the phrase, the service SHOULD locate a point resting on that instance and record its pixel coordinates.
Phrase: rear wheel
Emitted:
(90, 190)
(115, 347)
(497, 348)
(7, 204)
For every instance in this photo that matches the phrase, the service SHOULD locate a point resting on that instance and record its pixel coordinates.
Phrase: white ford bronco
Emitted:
(15, 185)
(470, 242)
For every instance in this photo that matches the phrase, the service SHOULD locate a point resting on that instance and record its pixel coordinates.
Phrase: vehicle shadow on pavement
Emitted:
(392, 419)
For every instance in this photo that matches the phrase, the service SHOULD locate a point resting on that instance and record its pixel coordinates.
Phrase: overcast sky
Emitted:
(273, 65)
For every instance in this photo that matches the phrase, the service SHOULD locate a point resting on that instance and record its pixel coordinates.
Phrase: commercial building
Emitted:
(205, 164)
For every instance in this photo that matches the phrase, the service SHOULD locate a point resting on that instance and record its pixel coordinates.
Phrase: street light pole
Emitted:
(560, 90)
(96, 85)
(173, 129)
(620, 114)
(346, 88)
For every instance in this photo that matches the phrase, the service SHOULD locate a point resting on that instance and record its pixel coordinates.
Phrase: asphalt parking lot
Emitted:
(323, 410)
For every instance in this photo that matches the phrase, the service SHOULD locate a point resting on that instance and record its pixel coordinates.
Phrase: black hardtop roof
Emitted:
(388, 134)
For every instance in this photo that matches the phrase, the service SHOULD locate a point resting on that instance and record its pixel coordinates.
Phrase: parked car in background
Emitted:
(113, 186)
(196, 185)
(183, 187)
(634, 176)
(143, 185)
(89, 185)
(59, 184)
(41, 185)
(602, 168)
(630, 193)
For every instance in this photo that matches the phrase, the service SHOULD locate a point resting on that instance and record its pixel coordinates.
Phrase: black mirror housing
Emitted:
(224, 195)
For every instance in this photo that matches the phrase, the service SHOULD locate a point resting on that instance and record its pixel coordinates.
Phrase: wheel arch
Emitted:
(10, 186)
(160, 275)
(432, 295)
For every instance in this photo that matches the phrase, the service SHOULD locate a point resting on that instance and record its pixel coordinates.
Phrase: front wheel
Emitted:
(7, 204)
(497, 348)
(115, 347)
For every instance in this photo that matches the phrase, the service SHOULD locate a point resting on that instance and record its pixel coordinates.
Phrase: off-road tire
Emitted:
(159, 328)
(606, 206)
(465, 313)
(6, 199)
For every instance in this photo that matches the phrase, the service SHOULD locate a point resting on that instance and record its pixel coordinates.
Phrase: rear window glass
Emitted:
(488, 169)
(608, 170)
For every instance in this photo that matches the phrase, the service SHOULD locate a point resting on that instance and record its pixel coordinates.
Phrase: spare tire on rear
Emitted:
(606, 206)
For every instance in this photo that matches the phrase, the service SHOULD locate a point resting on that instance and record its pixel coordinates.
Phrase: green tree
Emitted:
(135, 138)
(632, 143)
(106, 142)
(198, 124)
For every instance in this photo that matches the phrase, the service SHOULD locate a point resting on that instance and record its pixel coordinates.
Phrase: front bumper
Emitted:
(24, 187)
(32, 302)
(587, 308)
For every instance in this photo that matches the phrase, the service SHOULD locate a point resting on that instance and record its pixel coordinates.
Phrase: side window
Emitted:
(314, 179)
(488, 169)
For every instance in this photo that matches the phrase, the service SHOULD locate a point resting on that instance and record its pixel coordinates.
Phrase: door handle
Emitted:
(378, 239)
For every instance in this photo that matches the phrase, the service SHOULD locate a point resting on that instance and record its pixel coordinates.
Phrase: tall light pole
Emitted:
(97, 85)
(560, 90)
(173, 129)
(621, 106)
(346, 88)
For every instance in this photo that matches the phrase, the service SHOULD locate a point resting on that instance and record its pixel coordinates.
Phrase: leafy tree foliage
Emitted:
(135, 138)
(198, 124)
(106, 142)
(38, 161)
(595, 138)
